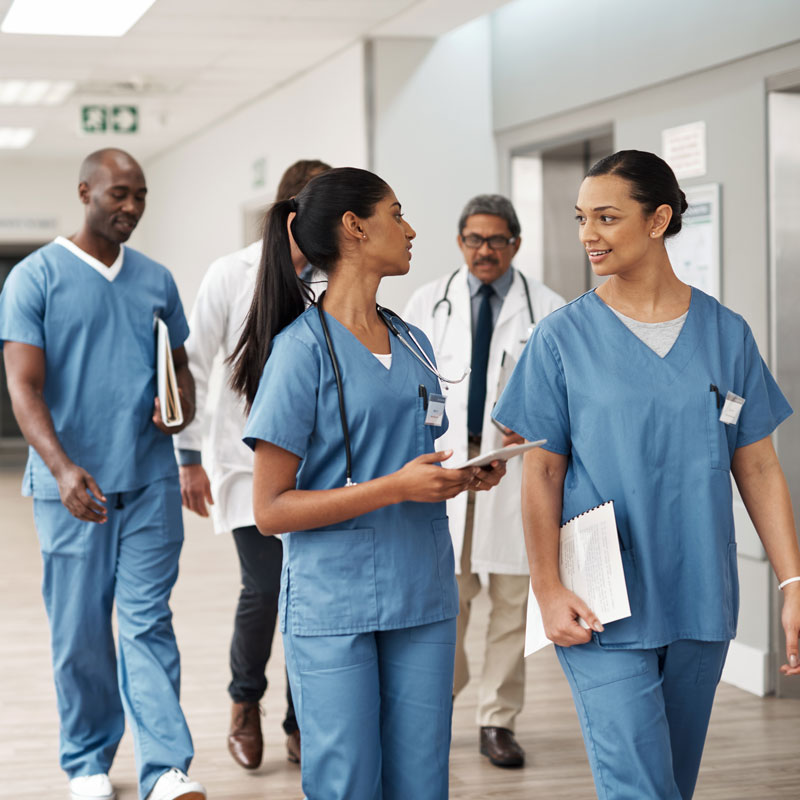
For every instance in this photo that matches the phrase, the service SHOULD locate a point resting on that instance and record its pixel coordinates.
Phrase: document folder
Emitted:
(168, 396)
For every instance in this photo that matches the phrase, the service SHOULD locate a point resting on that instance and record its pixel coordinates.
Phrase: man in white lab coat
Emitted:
(480, 316)
(222, 303)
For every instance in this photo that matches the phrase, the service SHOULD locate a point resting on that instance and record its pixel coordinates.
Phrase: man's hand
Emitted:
(73, 483)
(195, 489)
(171, 430)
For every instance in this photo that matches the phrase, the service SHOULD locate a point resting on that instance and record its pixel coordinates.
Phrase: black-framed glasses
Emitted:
(473, 241)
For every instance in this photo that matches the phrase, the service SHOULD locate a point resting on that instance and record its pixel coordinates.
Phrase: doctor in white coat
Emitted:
(222, 303)
(471, 325)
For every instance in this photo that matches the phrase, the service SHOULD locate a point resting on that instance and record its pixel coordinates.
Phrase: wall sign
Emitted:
(684, 149)
(695, 251)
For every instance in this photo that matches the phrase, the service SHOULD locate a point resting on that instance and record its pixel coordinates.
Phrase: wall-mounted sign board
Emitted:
(695, 251)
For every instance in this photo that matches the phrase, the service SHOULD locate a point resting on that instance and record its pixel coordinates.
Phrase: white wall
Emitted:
(39, 199)
(553, 56)
(432, 140)
(198, 190)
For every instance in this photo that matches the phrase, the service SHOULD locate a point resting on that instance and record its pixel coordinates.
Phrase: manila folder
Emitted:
(168, 397)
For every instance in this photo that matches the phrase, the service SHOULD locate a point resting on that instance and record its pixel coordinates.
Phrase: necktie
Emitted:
(480, 360)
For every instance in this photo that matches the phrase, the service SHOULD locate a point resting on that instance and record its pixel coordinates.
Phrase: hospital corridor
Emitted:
(399, 400)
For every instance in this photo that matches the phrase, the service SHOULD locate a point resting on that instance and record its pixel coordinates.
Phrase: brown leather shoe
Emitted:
(293, 747)
(244, 740)
(501, 747)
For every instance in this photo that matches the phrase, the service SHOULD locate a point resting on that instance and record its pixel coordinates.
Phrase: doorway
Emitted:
(544, 184)
(12, 445)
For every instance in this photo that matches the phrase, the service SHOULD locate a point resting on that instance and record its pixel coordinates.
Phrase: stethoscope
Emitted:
(444, 300)
(386, 317)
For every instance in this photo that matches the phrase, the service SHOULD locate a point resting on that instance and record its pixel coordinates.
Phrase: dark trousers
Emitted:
(254, 625)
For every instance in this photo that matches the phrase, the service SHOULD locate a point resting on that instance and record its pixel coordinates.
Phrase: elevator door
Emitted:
(784, 176)
(545, 182)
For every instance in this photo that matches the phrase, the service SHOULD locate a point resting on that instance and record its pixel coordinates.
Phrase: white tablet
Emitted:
(501, 454)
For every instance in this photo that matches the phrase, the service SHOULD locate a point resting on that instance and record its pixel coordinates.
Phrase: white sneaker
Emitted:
(91, 787)
(175, 785)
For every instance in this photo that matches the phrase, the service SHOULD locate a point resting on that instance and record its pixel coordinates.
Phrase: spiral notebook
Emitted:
(589, 564)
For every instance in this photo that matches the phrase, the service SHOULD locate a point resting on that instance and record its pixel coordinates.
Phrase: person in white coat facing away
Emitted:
(219, 311)
(480, 316)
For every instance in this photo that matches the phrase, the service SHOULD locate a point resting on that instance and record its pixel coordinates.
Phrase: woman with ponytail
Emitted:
(343, 426)
(651, 394)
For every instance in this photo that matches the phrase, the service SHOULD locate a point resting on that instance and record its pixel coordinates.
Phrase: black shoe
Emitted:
(501, 747)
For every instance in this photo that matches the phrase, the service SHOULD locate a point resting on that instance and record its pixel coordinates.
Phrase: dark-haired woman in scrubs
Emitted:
(652, 394)
(368, 598)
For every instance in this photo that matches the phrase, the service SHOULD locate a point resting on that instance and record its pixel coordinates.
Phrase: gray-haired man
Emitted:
(480, 316)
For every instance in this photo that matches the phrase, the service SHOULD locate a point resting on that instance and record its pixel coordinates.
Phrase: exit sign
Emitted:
(109, 119)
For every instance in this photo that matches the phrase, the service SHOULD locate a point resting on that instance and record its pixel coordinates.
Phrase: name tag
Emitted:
(435, 409)
(731, 409)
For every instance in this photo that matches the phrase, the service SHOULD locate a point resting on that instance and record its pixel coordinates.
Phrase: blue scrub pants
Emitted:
(131, 559)
(644, 714)
(375, 712)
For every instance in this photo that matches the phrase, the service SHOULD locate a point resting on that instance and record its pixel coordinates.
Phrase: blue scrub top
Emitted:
(644, 431)
(99, 345)
(393, 567)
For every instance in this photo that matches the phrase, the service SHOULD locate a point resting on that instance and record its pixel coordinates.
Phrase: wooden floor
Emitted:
(753, 750)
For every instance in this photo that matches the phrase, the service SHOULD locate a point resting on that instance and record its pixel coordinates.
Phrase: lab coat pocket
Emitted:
(333, 588)
(626, 631)
(717, 435)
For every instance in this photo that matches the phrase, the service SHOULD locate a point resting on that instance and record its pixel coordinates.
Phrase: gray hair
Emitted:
(494, 204)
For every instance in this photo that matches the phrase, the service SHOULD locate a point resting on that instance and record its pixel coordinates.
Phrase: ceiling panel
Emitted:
(187, 63)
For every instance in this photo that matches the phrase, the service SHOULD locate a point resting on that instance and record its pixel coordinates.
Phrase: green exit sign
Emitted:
(109, 119)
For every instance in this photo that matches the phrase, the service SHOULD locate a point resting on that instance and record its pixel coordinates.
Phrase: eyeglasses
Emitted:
(473, 241)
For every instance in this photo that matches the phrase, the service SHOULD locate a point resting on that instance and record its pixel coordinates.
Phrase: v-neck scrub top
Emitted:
(393, 567)
(644, 431)
(99, 344)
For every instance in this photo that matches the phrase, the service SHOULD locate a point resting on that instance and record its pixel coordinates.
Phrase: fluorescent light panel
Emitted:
(74, 18)
(15, 138)
(34, 93)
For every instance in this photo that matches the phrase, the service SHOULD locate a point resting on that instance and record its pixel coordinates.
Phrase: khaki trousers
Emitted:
(501, 691)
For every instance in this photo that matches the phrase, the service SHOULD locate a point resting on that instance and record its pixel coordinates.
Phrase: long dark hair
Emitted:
(652, 181)
(280, 296)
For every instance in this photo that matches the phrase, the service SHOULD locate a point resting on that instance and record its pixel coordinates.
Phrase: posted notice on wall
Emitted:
(684, 149)
(695, 251)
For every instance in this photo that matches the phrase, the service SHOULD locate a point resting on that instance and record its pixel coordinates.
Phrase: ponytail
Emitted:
(279, 298)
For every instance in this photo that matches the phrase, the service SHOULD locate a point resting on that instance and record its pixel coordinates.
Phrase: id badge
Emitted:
(732, 408)
(435, 409)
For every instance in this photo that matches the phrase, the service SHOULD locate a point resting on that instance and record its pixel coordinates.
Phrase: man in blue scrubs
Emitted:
(76, 326)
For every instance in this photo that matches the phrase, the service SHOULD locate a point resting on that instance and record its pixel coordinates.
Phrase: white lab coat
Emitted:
(218, 315)
(498, 544)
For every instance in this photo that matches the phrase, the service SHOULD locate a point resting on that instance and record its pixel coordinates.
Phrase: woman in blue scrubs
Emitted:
(637, 388)
(343, 422)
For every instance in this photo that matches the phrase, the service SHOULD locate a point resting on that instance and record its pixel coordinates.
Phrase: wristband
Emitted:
(788, 581)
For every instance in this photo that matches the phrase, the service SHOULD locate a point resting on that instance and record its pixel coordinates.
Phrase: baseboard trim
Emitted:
(748, 668)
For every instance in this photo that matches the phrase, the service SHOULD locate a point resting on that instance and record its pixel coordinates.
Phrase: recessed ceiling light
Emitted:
(74, 18)
(15, 138)
(34, 93)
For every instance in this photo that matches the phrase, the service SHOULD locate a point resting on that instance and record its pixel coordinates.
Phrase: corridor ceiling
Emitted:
(188, 63)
